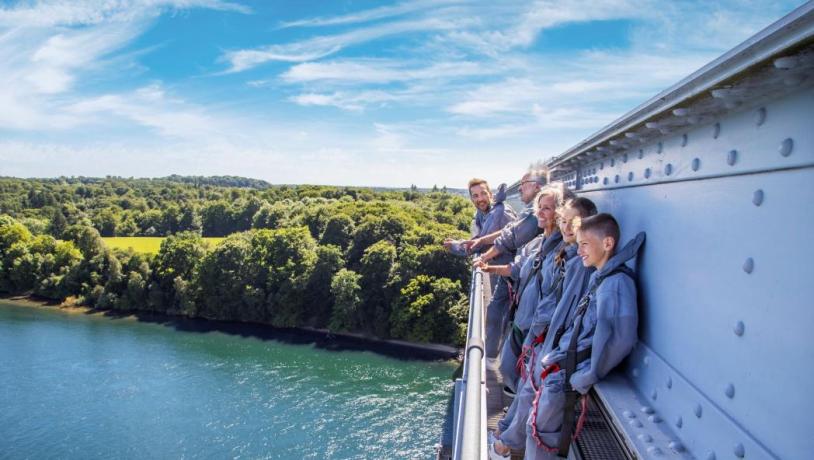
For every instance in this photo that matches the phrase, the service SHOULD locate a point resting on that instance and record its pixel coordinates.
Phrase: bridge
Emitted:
(718, 170)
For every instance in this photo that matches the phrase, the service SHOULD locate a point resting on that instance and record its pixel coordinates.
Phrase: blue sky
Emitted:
(338, 92)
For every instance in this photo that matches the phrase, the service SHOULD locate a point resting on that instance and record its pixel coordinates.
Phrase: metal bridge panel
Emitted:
(726, 276)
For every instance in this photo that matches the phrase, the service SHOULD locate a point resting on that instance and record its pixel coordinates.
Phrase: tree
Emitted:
(428, 310)
(376, 267)
(318, 300)
(338, 231)
(346, 292)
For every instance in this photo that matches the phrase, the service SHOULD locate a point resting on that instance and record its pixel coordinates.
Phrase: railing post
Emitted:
(470, 435)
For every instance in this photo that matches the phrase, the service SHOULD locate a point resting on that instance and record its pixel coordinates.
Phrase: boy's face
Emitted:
(569, 221)
(593, 249)
(547, 212)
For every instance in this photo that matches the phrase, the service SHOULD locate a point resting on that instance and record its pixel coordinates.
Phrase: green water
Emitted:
(82, 386)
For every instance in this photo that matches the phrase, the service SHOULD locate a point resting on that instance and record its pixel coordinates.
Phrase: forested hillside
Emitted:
(350, 259)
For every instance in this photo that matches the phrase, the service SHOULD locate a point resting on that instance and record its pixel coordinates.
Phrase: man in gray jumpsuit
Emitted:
(491, 215)
(507, 241)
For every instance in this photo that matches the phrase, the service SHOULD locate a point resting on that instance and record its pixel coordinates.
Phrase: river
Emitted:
(90, 386)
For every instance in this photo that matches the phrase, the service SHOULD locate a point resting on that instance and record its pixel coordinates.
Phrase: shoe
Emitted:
(492, 364)
(494, 455)
(508, 392)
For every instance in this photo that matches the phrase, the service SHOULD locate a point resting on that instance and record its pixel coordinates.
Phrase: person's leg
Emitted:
(546, 415)
(509, 354)
(513, 425)
(496, 315)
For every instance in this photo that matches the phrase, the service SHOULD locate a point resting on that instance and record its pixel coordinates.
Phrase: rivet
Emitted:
(630, 176)
(654, 418)
(739, 451)
(749, 265)
(653, 450)
(710, 455)
(629, 414)
(760, 116)
(646, 437)
(669, 383)
(647, 409)
(651, 125)
(631, 135)
(729, 391)
(616, 179)
(681, 112)
(786, 146)
(635, 423)
(676, 446)
(646, 360)
(684, 140)
(732, 157)
(654, 395)
(612, 162)
(679, 422)
(660, 147)
(647, 173)
(668, 169)
(757, 197)
(699, 411)
(786, 62)
(739, 328)
(716, 131)
(624, 158)
(635, 372)
(696, 164)
(664, 130)
(641, 153)
(605, 181)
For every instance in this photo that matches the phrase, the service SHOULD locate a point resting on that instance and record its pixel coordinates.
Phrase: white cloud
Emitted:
(383, 12)
(322, 46)
(90, 12)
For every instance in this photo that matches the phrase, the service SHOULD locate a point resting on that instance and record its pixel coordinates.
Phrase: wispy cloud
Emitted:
(382, 12)
(322, 46)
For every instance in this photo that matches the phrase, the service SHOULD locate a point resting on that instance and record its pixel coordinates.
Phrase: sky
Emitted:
(339, 92)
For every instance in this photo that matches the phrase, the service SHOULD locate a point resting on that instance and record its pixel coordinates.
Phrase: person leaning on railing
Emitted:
(507, 242)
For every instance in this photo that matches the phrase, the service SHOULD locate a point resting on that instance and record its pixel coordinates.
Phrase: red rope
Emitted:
(580, 422)
(548, 370)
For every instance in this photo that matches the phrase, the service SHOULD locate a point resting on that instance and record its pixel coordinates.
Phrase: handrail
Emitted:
(470, 435)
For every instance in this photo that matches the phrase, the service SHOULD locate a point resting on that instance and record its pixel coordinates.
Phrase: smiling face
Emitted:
(547, 213)
(569, 219)
(593, 249)
(480, 196)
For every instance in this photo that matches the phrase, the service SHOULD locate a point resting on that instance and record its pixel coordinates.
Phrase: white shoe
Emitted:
(494, 455)
(492, 364)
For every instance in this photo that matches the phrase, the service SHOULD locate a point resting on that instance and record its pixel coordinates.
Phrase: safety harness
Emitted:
(526, 358)
(569, 364)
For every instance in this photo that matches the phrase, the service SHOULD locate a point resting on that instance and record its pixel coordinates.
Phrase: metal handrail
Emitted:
(470, 435)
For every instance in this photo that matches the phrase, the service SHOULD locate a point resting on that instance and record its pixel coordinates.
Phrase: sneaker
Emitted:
(494, 455)
(508, 392)
(492, 364)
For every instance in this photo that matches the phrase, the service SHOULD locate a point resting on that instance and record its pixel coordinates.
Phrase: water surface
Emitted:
(88, 386)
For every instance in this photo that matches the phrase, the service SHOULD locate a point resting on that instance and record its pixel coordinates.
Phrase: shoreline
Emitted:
(322, 338)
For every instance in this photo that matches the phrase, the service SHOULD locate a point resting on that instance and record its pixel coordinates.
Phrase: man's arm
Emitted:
(485, 240)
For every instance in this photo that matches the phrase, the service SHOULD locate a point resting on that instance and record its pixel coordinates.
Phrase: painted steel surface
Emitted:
(720, 179)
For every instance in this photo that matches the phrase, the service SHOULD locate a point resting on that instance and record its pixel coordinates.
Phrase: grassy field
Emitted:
(145, 244)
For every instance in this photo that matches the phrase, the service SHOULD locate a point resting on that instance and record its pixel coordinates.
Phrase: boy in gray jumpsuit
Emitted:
(588, 338)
